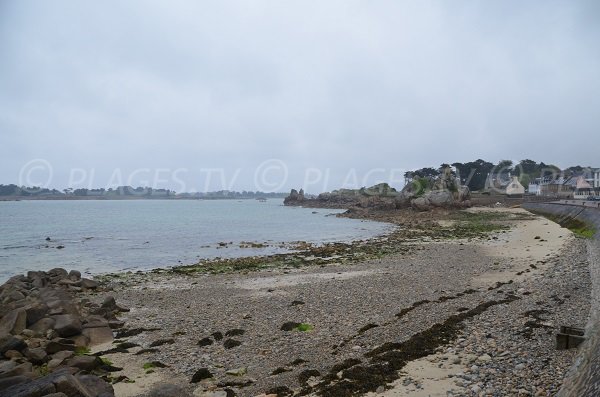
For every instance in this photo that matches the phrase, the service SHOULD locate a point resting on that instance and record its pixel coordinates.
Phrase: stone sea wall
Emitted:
(583, 380)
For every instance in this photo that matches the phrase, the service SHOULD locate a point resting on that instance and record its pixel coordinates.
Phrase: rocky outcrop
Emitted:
(295, 198)
(425, 194)
(45, 330)
(380, 196)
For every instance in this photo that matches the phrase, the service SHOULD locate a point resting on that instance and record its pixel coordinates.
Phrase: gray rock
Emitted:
(68, 282)
(24, 369)
(67, 325)
(37, 355)
(43, 325)
(14, 322)
(12, 354)
(54, 363)
(10, 342)
(36, 312)
(96, 385)
(6, 366)
(88, 284)
(111, 305)
(201, 374)
(200, 392)
(421, 204)
(5, 383)
(440, 198)
(15, 296)
(56, 346)
(403, 199)
(237, 371)
(95, 321)
(74, 275)
(58, 273)
(86, 363)
(98, 335)
(168, 390)
(115, 324)
(67, 384)
(62, 355)
(484, 358)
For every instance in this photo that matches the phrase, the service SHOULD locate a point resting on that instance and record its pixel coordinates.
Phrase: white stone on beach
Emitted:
(484, 358)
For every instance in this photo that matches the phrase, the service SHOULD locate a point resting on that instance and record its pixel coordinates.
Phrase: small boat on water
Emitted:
(262, 199)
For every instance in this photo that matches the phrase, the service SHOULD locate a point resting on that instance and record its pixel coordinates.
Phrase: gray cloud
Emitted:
(332, 85)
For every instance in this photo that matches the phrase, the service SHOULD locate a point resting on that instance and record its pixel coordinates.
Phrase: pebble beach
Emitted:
(472, 316)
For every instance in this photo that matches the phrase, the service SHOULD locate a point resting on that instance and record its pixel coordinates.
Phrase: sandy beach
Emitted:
(443, 316)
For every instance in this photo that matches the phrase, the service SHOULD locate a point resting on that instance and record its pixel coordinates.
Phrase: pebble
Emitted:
(484, 358)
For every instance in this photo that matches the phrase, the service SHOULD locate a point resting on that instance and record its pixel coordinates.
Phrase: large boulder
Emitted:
(60, 381)
(98, 335)
(74, 275)
(24, 369)
(464, 194)
(36, 312)
(96, 386)
(421, 204)
(87, 283)
(402, 200)
(440, 198)
(14, 322)
(10, 342)
(36, 355)
(67, 325)
(85, 363)
(42, 326)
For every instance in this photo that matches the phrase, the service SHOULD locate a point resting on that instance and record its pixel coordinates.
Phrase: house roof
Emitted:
(578, 182)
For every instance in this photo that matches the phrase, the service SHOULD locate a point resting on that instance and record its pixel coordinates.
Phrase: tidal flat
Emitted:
(465, 302)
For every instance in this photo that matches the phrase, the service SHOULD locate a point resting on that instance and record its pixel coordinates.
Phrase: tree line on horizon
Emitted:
(13, 190)
(474, 174)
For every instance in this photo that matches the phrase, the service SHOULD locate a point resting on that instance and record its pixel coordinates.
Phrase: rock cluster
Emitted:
(379, 196)
(45, 331)
(423, 195)
(442, 192)
(295, 198)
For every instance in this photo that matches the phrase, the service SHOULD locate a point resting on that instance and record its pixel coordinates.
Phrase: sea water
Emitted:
(100, 236)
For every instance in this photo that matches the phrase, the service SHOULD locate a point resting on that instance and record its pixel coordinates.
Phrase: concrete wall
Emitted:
(583, 379)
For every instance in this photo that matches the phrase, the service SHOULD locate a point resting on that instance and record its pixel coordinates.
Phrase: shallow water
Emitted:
(107, 236)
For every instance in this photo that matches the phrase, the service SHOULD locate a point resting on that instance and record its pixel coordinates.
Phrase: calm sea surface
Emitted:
(108, 236)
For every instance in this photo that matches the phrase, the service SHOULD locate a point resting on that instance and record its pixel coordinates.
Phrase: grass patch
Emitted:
(579, 228)
(147, 366)
(304, 327)
(106, 361)
(44, 370)
(82, 350)
(476, 224)
(153, 364)
(584, 232)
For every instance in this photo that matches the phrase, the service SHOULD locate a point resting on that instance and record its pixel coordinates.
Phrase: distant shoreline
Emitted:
(124, 198)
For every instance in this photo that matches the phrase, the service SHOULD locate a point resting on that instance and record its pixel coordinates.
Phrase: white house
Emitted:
(596, 178)
(514, 188)
(534, 188)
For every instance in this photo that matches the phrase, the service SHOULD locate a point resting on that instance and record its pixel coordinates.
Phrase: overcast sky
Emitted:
(98, 90)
